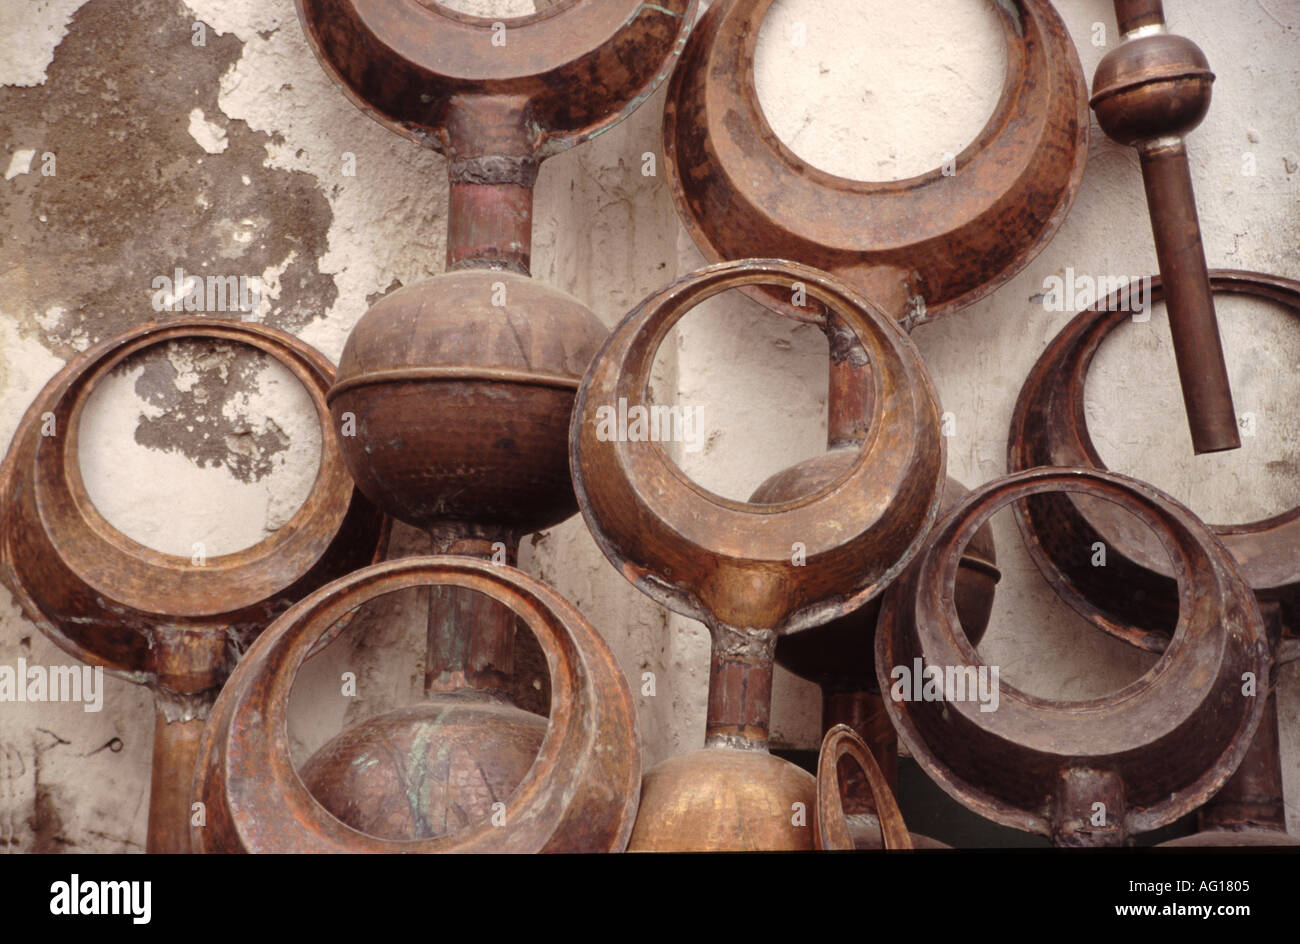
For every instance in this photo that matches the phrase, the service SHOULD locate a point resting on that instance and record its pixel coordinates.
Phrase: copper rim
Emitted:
(1049, 427)
(726, 561)
(96, 592)
(580, 795)
(582, 65)
(832, 828)
(947, 239)
(1170, 739)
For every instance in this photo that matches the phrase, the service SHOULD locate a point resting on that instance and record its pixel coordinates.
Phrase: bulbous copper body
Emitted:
(453, 396)
(717, 799)
(1152, 87)
(426, 770)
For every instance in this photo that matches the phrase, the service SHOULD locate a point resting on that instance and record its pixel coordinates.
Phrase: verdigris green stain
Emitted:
(417, 768)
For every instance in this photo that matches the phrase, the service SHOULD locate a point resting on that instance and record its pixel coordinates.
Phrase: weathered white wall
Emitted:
(229, 156)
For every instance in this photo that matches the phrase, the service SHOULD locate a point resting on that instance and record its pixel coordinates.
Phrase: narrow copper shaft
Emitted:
(1192, 322)
(175, 752)
(471, 638)
(850, 391)
(1252, 798)
(1135, 14)
(492, 169)
(190, 665)
(865, 713)
(740, 688)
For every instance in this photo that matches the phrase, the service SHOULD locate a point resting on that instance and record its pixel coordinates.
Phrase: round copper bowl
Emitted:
(1149, 753)
(751, 572)
(103, 597)
(834, 830)
(1049, 427)
(946, 240)
(153, 618)
(728, 562)
(568, 71)
(579, 795)
(461, 405)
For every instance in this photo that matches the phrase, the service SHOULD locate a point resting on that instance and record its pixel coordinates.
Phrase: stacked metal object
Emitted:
(471, 402)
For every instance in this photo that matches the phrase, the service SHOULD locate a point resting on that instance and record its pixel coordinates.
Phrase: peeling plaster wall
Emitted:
(231, 158)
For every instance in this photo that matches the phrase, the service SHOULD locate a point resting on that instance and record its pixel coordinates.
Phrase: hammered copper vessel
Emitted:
(1084, 773)
(935, 243)
(737, 567)
(1138, 602)
(1149, 93)
(453, 395)
(461, 416)
(158, 619)
(579, 795)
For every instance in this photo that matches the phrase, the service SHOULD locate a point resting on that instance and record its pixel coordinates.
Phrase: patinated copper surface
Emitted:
(579, 795)
(381, 776)
(459, 389)
(462, 406)
(153, 618)
(459, 392)
(1049, 427)
(751, 572)
(1150, 752)
(1138, 602)
(1148, 93)
(919, 248)
(840, 655)
(496, 96)
(834, 832)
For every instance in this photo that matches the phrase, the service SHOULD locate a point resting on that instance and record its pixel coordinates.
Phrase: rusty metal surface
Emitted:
(1149, 93)
(935, 243)
(579, 794)
(1139, 603)
(1151, 752)
(840, 655)
(577, 68)
(833, 830)
(153, 618)
(734, 565)
(1049, 427)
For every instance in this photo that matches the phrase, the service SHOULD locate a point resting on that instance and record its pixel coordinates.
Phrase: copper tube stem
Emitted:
(492, 169)
(740, 689)
(1134, 14)
(175, 752)
(190, 665)
(1198, 350)
(471, 638)
(1149, 93)
(849, 392)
